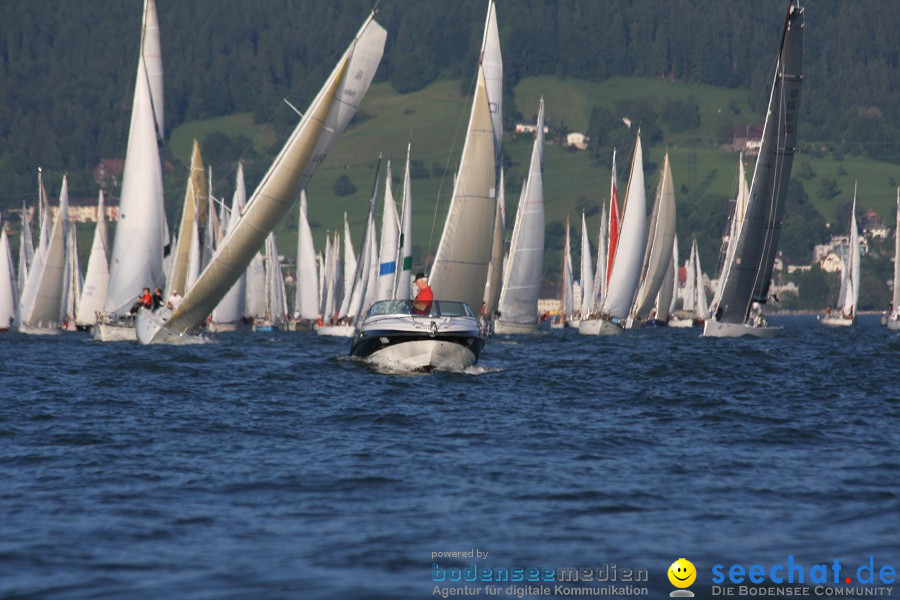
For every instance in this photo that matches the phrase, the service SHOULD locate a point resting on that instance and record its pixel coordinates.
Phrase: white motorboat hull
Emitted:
(598, 327)
(347, 331)
(511, 328)
(106, 332)
(713, 328)
(837, 321)
(419, 342)
(425, 355)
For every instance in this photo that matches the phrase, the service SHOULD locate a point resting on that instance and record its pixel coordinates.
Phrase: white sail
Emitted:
(26, 251)
(664, 298)
(137, 255)
(390, 242)
(255, 297)
(349, 270)
(658, 255)
(676, 282)
(42, 303)
(690, 285)
(231, 308)
(372, 286)
(151, 51)
(701, 308)
(568, 294)
(329, 289)
(93, 293)
(320, 265)
(461, 263)
(187, 260)
(404, 255)
(276, 299)
(306, 304)
(498, 253)
(74, 281)
(734, 229)
(492, 61)
(195, 260)
(306, 148)
(629, 253)
(850, 292)
(599, 290)
(8, 289)
(522, 277)
(895, 302)
(587, 271)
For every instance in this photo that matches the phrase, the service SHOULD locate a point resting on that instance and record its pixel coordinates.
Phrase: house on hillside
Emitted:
(576, 140)
(108, 172)
(747, 138)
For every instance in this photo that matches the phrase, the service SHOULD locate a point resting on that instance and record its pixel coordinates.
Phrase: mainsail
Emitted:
(750, 270)
(137, 255)
(41, 305)
(323, 122)
(658, 255)
(306, 305)
(404, 254)
(461, 263)
(8, 289)
(626, 263)
(522, 280)
(93, 292)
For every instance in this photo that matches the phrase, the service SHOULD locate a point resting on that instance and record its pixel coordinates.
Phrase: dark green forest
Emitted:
(67, 68)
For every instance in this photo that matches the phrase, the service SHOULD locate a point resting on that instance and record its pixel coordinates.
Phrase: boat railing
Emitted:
(431, 308)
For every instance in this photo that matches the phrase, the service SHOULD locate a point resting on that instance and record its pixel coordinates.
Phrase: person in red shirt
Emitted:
(422, 303)
(145, 301)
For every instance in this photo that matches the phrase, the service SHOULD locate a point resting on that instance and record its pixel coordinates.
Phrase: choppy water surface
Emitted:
(270, 466)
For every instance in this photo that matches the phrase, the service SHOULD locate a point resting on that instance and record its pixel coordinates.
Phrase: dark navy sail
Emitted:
(751, 270)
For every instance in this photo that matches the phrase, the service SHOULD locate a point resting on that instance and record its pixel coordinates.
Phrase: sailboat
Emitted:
(188, 249)
(498, 256)
(626, 259)
(276, 298)
(522, 280)
(361, 282)
(567, 293)
(137, 253)
(657, 264)
(306, 298)
(449, 335)
(848, 300)
(41, 307)
(404, 252)
(96, 280)
(892, 318)
(9, 294)
(305, 149)
(587, 275)
(665, 298)
(228, 315)
(74, 281)
(26, 250)
(386, 281)
(694, 309)
(748, 274)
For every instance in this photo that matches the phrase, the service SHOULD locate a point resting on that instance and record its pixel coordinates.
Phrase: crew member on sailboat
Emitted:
(422, 303)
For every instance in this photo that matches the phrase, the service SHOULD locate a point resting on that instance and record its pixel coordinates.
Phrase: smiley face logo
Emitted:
(682, 573)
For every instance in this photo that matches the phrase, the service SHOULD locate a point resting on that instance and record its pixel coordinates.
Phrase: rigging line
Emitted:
(437, 202)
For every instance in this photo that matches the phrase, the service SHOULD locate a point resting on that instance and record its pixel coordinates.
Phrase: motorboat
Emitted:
(406, 335)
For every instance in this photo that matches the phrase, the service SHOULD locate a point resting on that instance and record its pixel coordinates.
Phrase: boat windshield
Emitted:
(438, 308)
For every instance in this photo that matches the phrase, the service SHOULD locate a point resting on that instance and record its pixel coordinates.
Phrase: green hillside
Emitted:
(434, 120)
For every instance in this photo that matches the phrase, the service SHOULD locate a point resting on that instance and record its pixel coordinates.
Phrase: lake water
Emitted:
(271, 466)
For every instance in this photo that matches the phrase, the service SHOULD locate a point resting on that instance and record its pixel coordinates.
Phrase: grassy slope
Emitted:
(434, 119)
